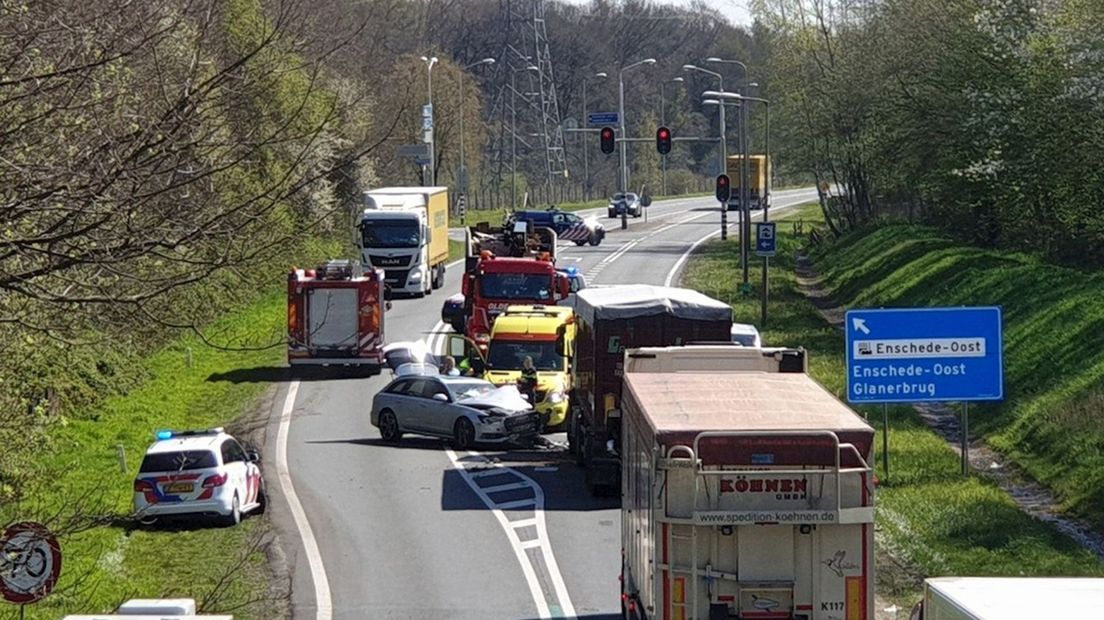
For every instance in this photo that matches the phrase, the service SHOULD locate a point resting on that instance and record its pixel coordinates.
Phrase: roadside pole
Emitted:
(885, 440)
(966, 438)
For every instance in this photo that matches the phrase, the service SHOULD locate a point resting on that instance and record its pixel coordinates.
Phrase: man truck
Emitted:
(335, 316)
(609, 320)
(747, 490)
(404, 231)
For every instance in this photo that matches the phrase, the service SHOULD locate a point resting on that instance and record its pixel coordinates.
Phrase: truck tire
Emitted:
(439, 276)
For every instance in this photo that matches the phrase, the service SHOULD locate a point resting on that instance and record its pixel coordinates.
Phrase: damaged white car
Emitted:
(466, 410)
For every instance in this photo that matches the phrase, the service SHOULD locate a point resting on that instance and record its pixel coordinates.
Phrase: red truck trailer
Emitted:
(609, 320)
(746, 493)
(336, 315)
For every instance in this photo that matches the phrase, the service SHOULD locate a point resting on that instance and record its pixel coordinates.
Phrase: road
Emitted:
(409, 530)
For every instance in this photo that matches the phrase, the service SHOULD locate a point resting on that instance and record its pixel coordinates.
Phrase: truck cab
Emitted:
(539, 332)
(404, 231)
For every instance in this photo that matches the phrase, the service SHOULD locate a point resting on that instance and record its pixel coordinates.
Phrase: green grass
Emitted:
(456, 250)
(106, 564)
(930, 519)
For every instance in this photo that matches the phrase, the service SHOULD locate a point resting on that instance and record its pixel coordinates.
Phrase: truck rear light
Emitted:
(141, 486)
(293, 317)
(215, 481)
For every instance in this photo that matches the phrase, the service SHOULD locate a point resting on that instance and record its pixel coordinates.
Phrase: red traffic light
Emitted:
(724, 189)
(607, 140)
(663, 140)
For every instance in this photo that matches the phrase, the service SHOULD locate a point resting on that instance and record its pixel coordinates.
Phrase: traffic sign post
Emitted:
(910, 355)
(766, 245)
(600, 119)
(30, 563)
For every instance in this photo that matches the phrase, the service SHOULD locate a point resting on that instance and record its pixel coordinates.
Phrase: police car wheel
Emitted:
(580, 242)
(595, 240)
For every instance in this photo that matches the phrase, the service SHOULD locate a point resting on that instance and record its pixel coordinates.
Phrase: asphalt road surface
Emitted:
(415, 530)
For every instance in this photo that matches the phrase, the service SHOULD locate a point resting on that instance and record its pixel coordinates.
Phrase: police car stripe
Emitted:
(577, 232)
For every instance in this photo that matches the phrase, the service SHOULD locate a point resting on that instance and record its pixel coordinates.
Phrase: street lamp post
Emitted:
(720, 102)
(745, 152)
(432, 143)
(586, 158)
(724, 206)
(663, 121)
(463, 162)
(621, 117)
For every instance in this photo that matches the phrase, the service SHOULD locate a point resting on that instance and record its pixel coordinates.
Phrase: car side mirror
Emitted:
(253, 456)
(440, 397)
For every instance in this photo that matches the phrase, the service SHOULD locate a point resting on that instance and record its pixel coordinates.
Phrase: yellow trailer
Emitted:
(758, 180)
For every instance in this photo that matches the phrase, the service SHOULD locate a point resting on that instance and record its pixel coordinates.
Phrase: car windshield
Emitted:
(747, 340)
(178, 461)
(390, 234)
(515, 286)
(632, 197)
(470, 389)
(617, 197)
(509, 354)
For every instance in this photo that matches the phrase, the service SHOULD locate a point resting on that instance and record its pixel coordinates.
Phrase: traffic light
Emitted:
(663, 140)
(724, 189)
(607, 140)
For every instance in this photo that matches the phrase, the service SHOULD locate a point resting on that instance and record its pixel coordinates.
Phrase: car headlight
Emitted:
(555, 397)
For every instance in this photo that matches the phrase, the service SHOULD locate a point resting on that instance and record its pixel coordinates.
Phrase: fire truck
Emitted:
(508, 267)
(336, 315)
(747, 490)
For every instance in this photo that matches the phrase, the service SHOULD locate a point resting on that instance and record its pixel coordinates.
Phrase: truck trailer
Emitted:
(746, 493)
(758, 181)
(404, 231)
(1010, 598)
(609, 320)
(335, 316)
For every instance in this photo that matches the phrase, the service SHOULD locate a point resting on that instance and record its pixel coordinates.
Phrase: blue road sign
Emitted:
(602, 119)
(909, 355)
(765, 240)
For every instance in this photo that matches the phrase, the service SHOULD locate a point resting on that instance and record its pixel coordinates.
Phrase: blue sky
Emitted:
(735, 10)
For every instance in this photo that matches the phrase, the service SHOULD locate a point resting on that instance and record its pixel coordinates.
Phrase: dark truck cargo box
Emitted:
(610, 320)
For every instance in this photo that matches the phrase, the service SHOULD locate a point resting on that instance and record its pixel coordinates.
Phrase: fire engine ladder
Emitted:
(837, 470)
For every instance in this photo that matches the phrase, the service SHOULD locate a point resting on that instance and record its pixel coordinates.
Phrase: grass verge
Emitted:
(81, 488)
(930, 520)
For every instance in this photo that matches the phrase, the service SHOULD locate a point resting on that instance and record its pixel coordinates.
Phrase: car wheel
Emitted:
(262, 500)
(463, 434)
(595, 240)
(389, 426)
(147, 521)
(234, 517)
(580, 242)
(610, 214)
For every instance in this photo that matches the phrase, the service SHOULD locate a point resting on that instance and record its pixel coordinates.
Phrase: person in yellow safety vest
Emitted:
(527, 383)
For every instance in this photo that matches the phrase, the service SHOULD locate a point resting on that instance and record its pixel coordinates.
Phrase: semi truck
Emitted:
(746, 489)
(404, 231)
(608, 321)
(505, 267)
(335, 315)
(758, 181)
(1010, 598)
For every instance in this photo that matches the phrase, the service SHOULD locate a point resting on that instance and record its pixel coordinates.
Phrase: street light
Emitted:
(429, 79)
(621, 117)
(717, 101)
(586, 158)
(724, 143)
(513, 130)
(663, 121)
(745, 153)
(463, 162)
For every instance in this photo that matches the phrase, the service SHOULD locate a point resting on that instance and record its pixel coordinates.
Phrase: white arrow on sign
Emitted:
(860, 325)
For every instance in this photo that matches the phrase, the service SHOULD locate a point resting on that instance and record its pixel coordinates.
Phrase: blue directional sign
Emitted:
(765, 239)
(602, 119)
(924, 355)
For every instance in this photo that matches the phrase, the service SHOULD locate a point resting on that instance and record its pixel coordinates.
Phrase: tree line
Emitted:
(983, 117)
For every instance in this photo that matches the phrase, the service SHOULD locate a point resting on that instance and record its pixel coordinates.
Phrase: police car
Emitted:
(568, 226)
(198, 473)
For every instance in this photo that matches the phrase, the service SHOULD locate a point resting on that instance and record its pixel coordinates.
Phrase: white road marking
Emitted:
(323, 603)
(521, 548)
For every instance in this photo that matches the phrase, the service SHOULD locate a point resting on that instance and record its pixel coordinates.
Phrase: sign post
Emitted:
(910, 355)
(766, 245)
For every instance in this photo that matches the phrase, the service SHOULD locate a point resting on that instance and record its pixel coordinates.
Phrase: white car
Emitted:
(745, 335)
(198, 473)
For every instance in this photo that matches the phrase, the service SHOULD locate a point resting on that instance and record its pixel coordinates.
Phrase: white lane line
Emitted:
(690, 250)
(323, 603)
(565, 607)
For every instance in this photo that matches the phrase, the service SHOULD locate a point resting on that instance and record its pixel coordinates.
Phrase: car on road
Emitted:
(205, 473)
(568, 226)
(452, 313)
(627, 203)
(745, 335)
(467, 410)
(575, 278)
